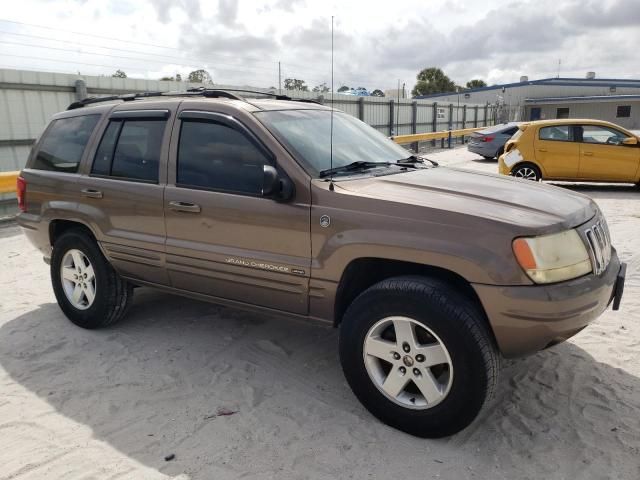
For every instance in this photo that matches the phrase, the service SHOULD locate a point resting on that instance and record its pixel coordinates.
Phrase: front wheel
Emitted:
(88, 289)
(527, 171)
(418, 355)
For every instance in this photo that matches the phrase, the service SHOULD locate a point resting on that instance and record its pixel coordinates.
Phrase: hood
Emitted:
(497, 197)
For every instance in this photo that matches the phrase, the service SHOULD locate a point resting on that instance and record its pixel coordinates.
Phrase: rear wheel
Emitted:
(499, 152)
(527, 171)
(88, 289)
(418, 355)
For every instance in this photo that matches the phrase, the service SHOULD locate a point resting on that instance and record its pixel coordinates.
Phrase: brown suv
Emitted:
(432, 273)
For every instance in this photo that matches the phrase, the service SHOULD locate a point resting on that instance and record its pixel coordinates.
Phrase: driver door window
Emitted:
(214, 156)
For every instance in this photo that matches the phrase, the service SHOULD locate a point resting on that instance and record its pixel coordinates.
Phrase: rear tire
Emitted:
(442, 393)
(527, 171)
(89, 291)
(499, 152)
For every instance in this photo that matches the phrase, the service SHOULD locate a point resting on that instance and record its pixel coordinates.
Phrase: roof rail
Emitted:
(257, 92)
(268, 94)
(205, 92)
(127, 97)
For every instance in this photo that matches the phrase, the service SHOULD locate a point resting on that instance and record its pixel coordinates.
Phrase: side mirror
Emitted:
(630, 141)
(275, 186)
(269, 181)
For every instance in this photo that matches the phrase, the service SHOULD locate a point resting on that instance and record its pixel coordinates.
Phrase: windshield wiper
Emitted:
(354, 166)
(413, 160)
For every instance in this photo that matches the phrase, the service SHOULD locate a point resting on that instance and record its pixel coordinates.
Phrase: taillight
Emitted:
(488, 139)
(21, 190)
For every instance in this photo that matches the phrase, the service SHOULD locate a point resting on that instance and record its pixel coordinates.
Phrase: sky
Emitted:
(376, 43)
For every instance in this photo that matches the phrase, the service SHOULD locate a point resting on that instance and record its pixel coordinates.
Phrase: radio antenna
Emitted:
(331, 128)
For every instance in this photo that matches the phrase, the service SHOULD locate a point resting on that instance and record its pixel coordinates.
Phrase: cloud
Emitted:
(227, 12)
(375, 43)
(591, 13)
(163, 8)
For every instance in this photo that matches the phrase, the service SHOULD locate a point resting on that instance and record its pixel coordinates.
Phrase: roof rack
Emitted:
(257, 92)
(205, 92)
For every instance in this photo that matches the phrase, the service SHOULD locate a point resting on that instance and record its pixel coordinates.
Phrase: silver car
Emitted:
(490, 142)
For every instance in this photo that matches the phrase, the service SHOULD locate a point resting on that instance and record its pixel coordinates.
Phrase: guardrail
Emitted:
(445, 134)
(8, 182)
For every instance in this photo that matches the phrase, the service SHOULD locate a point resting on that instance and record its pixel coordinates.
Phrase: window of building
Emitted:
(560, 133)
(130, 149)
(623, 111)
(562, 112)
(215, 156)
(64, 142)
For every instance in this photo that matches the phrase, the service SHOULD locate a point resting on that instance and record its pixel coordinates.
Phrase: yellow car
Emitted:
(572, 149)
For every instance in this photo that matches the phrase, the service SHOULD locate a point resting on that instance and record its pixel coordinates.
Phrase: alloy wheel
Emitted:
(408, 363)
(527, 173)
(78, 279)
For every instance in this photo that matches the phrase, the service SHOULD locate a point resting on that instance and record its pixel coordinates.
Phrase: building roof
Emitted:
(568, 81)
(583, 99)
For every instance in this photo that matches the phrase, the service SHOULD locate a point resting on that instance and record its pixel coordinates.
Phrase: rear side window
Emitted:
(130, 149)
(64, 142)
(217, 157)
(560, 133)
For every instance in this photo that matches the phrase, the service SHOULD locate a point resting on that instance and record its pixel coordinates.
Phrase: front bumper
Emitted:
(526, 319)
(502, 167)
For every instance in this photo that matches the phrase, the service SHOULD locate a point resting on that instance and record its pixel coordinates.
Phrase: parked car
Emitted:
(574, 150)
(359, 92)
(490, 142)
(432, 274)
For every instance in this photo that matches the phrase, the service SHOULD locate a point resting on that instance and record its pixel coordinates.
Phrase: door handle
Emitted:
(542, 149)
(588, 154)
(184, 207)
(91, 193)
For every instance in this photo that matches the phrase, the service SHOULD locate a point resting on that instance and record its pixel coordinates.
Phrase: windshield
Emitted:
(306, 133)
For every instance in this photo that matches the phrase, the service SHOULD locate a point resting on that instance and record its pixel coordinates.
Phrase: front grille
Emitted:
(599, 243)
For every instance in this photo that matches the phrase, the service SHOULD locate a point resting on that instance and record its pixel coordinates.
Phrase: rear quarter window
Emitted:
(64, 143)
(558, 133)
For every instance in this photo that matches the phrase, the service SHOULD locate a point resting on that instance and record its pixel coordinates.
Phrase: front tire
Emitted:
(89, 291)
(418, 355)
(527, 171)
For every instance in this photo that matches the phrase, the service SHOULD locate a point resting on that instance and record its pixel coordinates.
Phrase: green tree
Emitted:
(295, 84)
(178, 77)
(343, 88)
(200, 76)
(432, 80)
(322, 88)
(377, 93)
(167, 79)
(119, 74)
(476, 83)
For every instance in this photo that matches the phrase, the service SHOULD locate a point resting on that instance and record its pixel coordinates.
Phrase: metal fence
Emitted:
(28, 99)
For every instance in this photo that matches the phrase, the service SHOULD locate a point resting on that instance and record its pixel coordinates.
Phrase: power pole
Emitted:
(279, 80)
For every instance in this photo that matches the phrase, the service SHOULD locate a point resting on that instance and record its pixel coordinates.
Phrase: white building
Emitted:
(614, 100)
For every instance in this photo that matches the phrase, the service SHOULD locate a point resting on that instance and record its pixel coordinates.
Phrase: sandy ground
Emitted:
(113, 403)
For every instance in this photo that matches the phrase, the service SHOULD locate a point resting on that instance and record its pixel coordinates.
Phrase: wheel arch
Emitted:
(362, 273)
(57, 227)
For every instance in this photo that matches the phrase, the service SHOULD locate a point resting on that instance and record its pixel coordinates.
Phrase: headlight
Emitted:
(553, 258)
